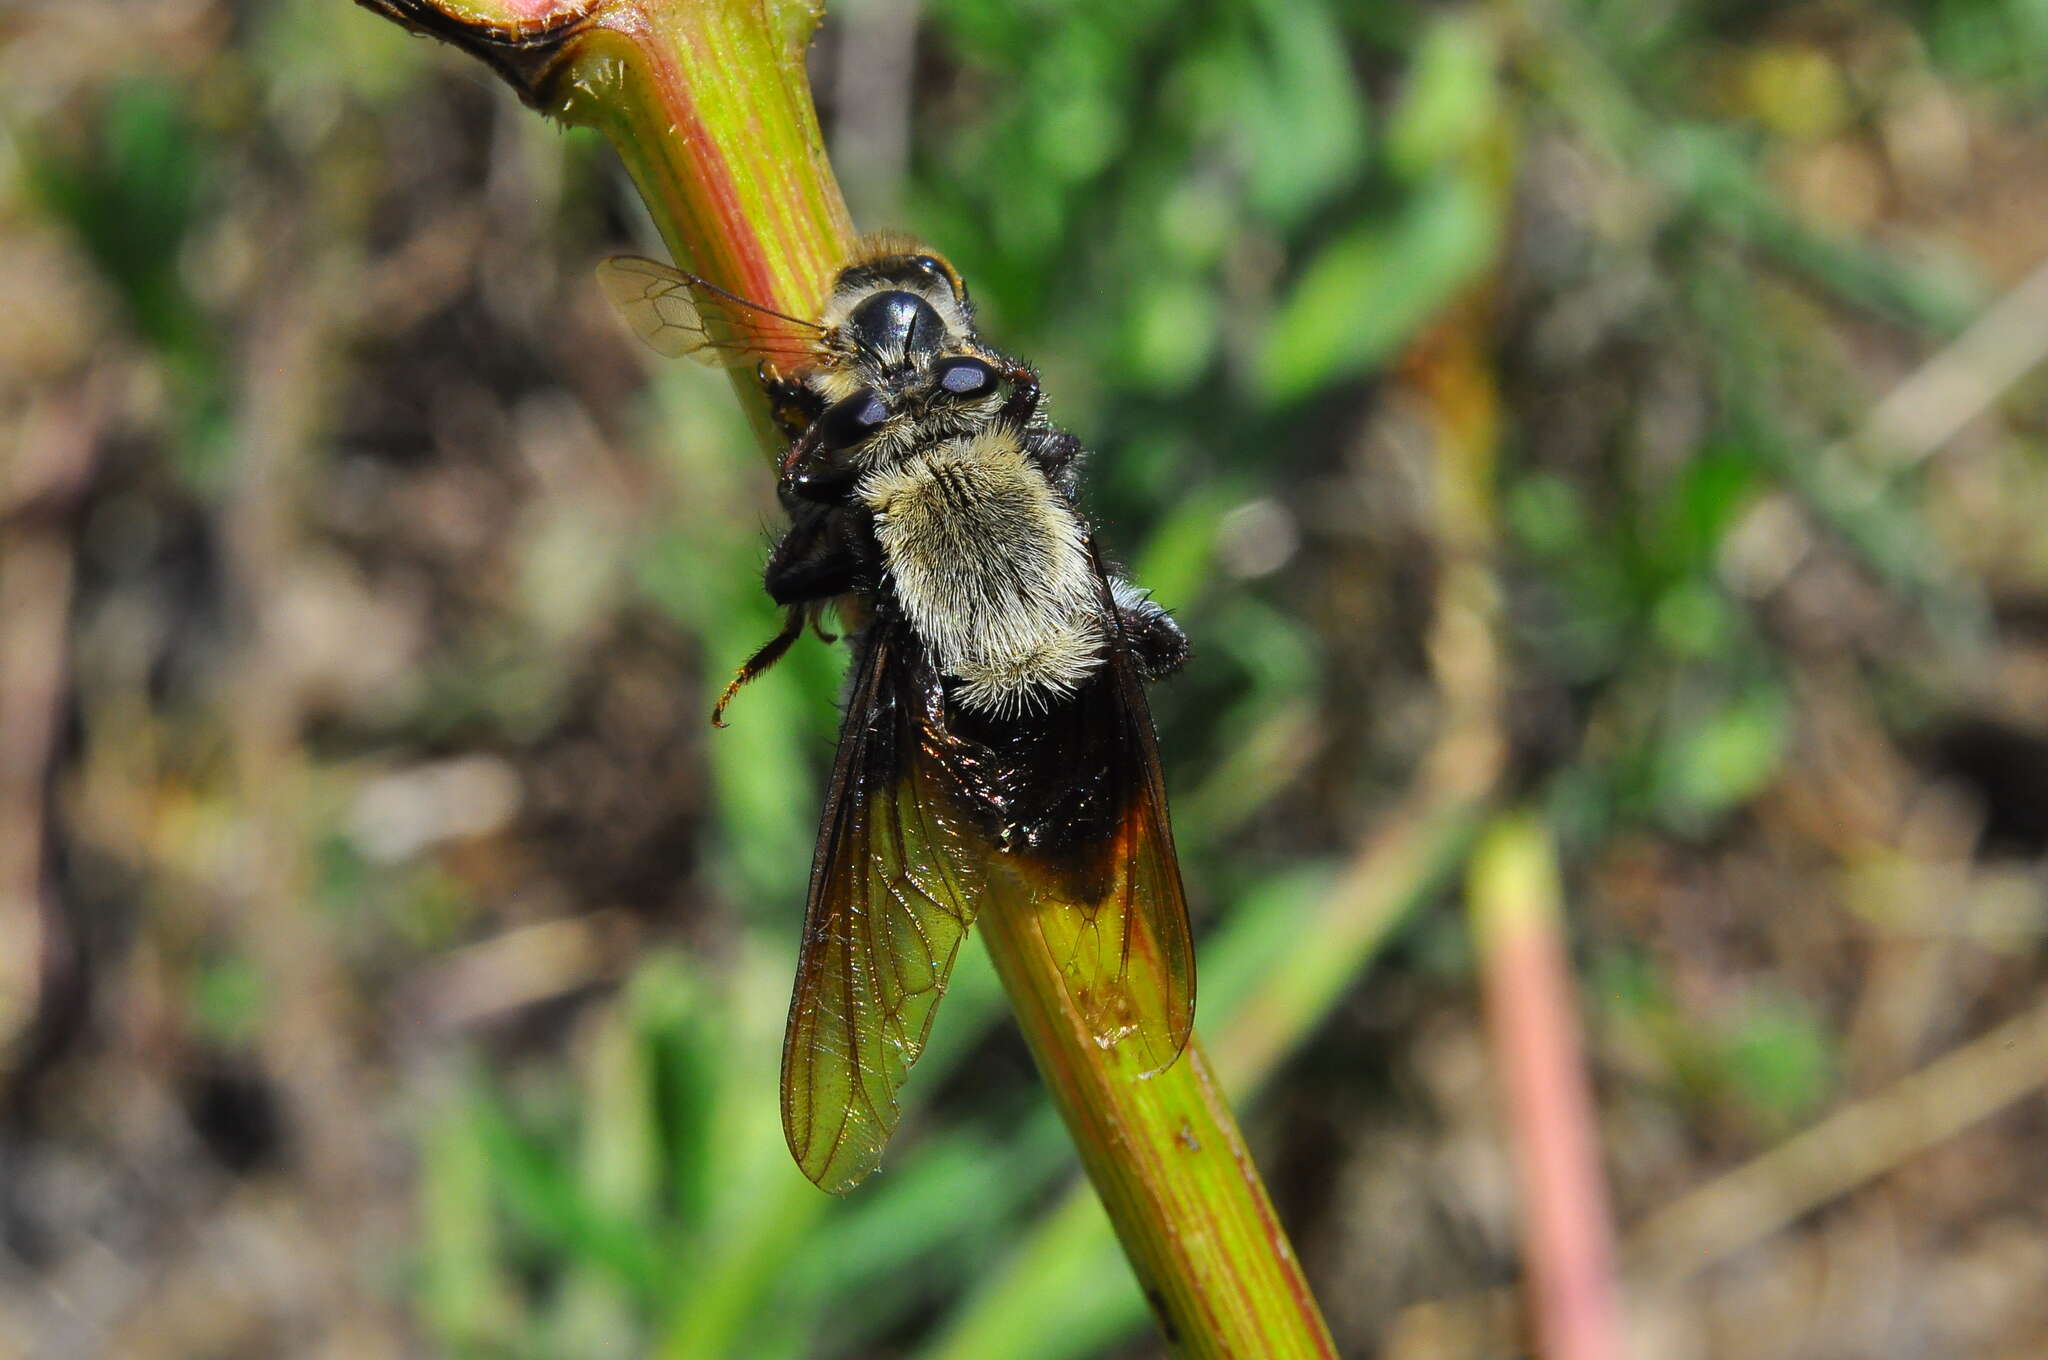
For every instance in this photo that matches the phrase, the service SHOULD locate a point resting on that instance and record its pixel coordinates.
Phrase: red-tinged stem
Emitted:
(1516, 914)
(1567, 1237)
(707, 105)
(709, 108)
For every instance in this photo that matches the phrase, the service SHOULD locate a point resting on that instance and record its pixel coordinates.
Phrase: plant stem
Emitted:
(1567, 1236)
(1170, 1166)
(708, 105)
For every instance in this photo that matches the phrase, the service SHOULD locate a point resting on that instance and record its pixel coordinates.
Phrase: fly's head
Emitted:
(899, 368)
(895, 310)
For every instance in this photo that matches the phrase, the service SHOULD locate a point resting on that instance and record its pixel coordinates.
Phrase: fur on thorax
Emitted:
(991, 567)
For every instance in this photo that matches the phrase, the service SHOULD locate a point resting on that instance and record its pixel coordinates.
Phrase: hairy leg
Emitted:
(810, 565)
(1155, 640)
(756, 665)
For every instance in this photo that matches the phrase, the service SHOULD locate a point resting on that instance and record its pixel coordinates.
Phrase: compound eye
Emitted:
(847, 422)
(964, 377)
(939, 272)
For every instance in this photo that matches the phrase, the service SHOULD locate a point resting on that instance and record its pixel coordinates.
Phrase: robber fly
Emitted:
(996, 748)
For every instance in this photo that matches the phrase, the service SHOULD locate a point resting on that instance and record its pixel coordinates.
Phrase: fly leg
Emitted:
(1055, 451)
(1025, 395)
(793, 404)
(821, 557)
(1058, 454)
(807, 568)
(1156, 642)
(757, 664)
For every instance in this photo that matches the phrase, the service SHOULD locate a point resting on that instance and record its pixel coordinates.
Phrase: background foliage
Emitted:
(396, 960)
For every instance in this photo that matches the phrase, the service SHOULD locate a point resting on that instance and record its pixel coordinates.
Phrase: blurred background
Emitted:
(1622, 411)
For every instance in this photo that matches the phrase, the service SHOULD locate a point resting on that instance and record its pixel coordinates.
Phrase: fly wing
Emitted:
(655, 301)
(1101, 882)
(1119, 931)
(894, 886)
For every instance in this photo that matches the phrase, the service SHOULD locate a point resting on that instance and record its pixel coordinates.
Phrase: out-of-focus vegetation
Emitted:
(1630, 410)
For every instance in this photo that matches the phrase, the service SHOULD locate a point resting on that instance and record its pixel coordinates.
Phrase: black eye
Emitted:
(847, 422)
(963, 377)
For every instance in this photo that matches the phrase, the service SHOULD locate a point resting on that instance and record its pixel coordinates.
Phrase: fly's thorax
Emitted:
(990, 565)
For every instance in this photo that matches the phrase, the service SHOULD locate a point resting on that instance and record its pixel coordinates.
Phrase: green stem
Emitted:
(709, 108)
(707, 104)
(1170, 1166)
